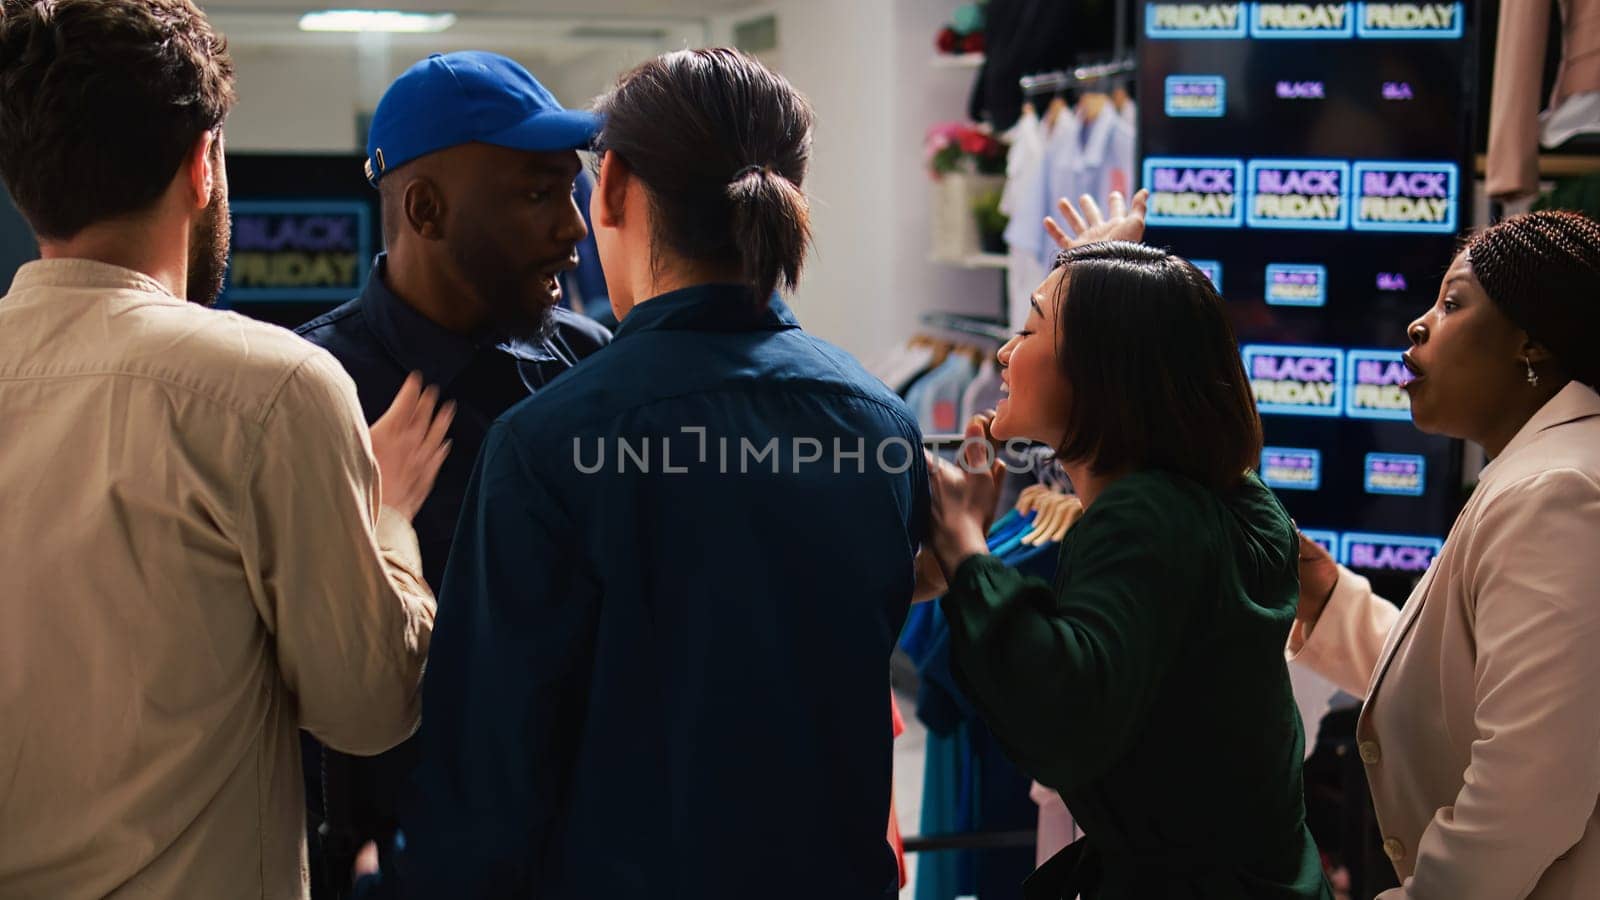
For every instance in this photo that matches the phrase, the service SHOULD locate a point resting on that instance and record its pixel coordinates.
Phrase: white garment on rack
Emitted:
(1092, 158)
(1024, 201)
(1578, 114)
(1069, 160)
(1061, 150)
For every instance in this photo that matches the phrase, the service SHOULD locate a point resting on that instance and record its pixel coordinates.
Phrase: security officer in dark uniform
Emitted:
(475, 163)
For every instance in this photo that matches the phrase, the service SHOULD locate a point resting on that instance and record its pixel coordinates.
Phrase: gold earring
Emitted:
(1533, 377)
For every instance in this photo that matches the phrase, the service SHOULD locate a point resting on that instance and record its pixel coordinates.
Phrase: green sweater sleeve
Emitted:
(1066, 681)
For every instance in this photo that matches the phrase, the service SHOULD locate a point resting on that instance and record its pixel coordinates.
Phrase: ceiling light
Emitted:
(376, 20)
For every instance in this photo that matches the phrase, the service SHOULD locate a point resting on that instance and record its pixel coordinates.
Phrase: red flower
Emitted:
(973, 43)
(975, 142)
(948, 40)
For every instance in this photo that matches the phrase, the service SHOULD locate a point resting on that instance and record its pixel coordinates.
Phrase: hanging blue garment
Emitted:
(946, 874)
(936, 398)
(969, 785)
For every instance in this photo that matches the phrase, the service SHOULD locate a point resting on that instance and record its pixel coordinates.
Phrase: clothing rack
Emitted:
(1121, 62)
(972, 840)
(973, 325)
(1049, 82)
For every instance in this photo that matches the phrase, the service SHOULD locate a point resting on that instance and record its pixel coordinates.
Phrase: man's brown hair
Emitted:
(101, 101)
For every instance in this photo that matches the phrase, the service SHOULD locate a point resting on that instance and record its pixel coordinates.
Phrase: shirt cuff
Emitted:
(970, 574)
(979, 587)
(398, 540)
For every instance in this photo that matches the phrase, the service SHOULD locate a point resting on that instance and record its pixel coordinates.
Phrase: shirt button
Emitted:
(1370, 754)
(1393, 849)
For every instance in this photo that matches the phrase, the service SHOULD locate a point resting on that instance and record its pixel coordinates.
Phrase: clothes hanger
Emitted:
(1120, 98)
(1032, 505)
(1028, 500)
(1061, 512)
(1090, 106)
(1049, 509)
(1072, 511)
(1052, 113)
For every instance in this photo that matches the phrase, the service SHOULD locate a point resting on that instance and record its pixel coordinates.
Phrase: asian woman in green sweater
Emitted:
(1147, 684)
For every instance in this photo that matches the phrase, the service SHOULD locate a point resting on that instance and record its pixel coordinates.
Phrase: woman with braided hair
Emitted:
(1481, 729)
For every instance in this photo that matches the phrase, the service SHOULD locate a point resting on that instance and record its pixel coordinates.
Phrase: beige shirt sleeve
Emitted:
(1530, 787)
(1344, 644)
(336, 578)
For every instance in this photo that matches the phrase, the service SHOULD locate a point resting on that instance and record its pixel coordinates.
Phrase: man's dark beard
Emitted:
(502, 292)
(209, 239)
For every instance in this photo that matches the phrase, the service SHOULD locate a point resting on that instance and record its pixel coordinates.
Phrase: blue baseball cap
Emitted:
(470, 97)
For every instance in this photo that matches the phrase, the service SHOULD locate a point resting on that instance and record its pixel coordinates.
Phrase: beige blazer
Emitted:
(1481, 729)
(194, 565)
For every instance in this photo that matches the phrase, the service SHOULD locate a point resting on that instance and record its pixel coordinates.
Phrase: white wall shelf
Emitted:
(976, 261)
(958, 61)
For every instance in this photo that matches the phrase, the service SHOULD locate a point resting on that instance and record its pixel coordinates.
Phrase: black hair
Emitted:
(101, 101)
(1542, 270)
(722, 145)
(1157, 380)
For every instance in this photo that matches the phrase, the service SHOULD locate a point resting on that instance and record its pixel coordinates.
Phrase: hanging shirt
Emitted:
(895, 841)
(1029, 249)
(917, 395)
(1061, 175)
(1519, 71)
(1093, 158)
(983, 393)
(659, 674)
(938, 404)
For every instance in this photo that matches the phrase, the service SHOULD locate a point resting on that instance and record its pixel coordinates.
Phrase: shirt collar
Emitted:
(87, 273)
(707, 307)
(1575, 401)
(419, 344)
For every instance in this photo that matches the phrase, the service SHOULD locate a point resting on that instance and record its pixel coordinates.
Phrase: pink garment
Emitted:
(1056, 827)
(894, 818)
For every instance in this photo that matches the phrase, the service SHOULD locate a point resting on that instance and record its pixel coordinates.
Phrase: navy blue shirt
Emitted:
(660, 666)
(380, 340)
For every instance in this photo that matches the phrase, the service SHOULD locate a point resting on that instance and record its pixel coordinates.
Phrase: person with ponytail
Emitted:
(661, 661)
(1480, 733)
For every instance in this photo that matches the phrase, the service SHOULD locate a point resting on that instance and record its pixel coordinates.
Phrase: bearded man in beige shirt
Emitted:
(195, 557)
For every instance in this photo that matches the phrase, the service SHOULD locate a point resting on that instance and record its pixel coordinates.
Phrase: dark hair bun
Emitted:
(724, 179)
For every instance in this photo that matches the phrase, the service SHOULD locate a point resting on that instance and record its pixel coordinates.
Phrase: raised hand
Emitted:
(409, 443)
(964, 498)
(1123, 224)
(1318, 576)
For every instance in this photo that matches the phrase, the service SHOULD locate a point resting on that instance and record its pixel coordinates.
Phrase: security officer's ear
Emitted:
(424, 207)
